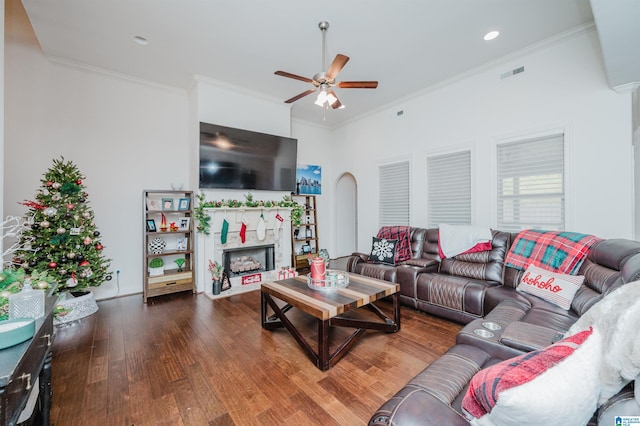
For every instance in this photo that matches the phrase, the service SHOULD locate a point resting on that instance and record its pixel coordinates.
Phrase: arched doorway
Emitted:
(346, 215)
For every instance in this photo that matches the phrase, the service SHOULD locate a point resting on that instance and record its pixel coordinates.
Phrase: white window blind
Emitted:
(393, 185)
(449, 189)
(531, 184)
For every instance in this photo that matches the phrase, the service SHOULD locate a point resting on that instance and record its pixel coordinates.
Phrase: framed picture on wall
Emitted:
(181, 244)
(167, 204)
(153, 204)
(183, 204)
(184, 223)
(309, 179)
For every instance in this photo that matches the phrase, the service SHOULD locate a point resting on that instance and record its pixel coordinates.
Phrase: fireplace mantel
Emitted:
(210, 246)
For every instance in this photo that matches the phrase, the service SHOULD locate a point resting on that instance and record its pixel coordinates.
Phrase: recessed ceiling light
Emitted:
(141, 40)
(491, 35)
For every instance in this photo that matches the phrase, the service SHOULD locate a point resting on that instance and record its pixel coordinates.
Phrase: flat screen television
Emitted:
(242, 159)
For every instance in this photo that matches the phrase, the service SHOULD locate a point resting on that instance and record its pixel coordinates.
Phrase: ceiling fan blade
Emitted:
(336, 66)
(296, 77)
(336, 104)
(358, 84)
(301, 95)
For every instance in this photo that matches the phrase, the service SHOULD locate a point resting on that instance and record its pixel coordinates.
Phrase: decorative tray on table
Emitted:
(333, 281)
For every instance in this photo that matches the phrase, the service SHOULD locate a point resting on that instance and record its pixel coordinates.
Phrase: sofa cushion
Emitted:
(485, 265)
(452, 292)
(558, 289)
(383, 251)
(403, 235)
(555, 385)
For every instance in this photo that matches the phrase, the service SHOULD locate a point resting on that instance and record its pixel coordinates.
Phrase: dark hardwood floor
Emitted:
(184, 359)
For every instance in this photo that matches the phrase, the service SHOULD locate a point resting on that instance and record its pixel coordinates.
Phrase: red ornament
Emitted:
(52, 265)
(79, 181)
(70, 206)
(84, 263)
(99, 246)
(49, 183)
(87, 241)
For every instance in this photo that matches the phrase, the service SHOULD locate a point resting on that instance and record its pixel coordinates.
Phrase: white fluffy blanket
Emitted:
(456, 239)
(617, 316)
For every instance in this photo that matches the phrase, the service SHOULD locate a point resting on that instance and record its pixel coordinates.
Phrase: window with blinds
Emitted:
(449, 189)
(531, 184)
(393, 187)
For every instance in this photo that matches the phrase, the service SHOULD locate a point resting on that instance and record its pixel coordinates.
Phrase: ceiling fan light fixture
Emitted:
(331, 99)
(326, 80)
(321, 99)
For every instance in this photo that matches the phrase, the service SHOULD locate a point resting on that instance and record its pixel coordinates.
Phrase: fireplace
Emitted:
(248, 260)
(273, 248)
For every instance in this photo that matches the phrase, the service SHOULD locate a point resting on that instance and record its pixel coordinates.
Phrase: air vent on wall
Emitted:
(511, 72)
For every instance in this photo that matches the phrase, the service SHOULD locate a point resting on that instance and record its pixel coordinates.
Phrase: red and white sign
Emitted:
(251, 279)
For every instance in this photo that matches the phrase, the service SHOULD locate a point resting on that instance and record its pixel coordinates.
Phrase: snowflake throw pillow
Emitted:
(383, 251)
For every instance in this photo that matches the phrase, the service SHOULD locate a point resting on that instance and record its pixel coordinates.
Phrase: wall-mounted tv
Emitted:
(242, 159)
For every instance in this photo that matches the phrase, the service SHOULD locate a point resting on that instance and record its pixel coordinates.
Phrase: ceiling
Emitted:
(407, 45)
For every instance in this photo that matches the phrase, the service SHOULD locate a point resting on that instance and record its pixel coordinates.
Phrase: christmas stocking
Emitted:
(261, 230)
(279, 220)
(224, 231)
(243, 232)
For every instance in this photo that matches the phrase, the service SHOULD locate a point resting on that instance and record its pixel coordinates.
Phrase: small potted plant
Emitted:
(180, 262)
(216, 275)
(156, 267)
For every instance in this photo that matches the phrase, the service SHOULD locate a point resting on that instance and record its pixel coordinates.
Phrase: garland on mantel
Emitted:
(204, 225)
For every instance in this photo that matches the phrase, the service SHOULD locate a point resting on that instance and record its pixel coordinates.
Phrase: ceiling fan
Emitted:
(326, 81)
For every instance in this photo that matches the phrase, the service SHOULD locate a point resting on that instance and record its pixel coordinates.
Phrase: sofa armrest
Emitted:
(430, 265)
(621, 404)
(355, 259)
(528, 337)
(417, 407)
(364, 257)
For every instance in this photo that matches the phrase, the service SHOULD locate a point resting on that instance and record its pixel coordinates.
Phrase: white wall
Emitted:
(124, 135)
(635, 108)
(1, 124)
(315, 146)
(563, 87)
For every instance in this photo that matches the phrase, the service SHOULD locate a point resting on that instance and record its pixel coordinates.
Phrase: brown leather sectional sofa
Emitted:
(478, 290)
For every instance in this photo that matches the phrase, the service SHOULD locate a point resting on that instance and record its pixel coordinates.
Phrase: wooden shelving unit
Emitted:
(304, 238)
(178, 243)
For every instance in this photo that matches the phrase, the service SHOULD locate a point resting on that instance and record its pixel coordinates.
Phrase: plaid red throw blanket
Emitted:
(403, 235)
(556, 251)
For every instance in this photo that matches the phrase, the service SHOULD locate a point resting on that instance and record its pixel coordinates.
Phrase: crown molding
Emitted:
(112, 74)
(627, 88)
(235, 88)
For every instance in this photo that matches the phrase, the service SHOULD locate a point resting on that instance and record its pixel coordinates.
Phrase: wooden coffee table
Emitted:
(328, 307)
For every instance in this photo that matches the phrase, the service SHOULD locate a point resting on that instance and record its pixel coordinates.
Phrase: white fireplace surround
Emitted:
(211, 247)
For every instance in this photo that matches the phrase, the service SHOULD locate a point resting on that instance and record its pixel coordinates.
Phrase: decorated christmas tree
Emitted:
(62, 238)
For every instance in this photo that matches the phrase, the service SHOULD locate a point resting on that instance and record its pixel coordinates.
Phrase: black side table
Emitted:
(21, 365)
